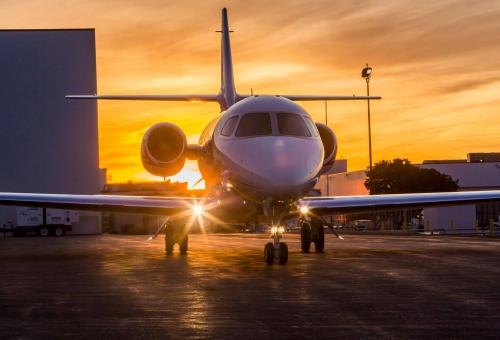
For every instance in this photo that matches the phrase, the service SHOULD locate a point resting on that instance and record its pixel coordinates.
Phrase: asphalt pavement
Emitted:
(376, 286)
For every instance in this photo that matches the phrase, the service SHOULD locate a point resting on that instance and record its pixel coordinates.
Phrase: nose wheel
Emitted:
(276, 249)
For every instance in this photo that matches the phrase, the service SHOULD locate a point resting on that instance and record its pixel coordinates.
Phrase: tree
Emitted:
(400, 176)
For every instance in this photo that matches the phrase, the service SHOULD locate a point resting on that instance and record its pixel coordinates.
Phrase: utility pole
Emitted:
(327, 174)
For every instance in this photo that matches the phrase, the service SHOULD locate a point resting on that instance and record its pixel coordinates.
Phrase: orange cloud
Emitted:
(435, 64)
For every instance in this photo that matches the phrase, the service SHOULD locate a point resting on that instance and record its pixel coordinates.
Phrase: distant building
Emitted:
(48, 144)
(164, 188)
(480, 171)
(340, 166)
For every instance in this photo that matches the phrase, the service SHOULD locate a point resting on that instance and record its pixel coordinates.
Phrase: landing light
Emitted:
(198, 210)
(304, 210)
(275, 230)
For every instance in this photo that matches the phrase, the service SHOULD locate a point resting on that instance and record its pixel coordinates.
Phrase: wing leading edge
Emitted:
(350, 204)
(131, 204)
(172, 205)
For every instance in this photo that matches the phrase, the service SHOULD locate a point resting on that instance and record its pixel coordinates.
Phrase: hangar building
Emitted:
(48, 144)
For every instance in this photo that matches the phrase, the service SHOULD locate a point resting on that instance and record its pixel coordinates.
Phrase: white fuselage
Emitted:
(278, 155)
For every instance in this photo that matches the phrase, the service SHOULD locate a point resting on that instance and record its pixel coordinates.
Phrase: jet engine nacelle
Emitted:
(329, 141)
(163, 149)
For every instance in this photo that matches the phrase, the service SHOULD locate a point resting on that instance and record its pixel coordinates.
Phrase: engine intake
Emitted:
(329, 141)
(163, 149)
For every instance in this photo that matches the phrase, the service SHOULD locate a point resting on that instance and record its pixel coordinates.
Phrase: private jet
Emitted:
(259, 157)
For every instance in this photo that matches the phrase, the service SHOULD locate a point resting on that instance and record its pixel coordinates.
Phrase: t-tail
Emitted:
(227, 88)
(227, 95)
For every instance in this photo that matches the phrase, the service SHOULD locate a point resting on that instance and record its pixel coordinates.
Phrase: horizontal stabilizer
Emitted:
(311, 98)
(174, 97)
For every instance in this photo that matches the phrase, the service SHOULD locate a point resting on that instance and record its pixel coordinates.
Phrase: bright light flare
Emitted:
(304, 210)
(198, 210)
(275, 230)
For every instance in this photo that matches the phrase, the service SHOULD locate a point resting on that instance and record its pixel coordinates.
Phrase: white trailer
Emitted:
(44, 221)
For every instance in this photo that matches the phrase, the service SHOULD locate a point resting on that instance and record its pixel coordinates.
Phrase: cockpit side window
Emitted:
(292, 124)
(254, 124)
(228, 128)
(312, 127)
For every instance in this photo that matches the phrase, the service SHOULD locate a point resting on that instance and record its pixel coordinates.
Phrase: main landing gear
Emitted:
(176, 232)
(312, 232)
(276, 249)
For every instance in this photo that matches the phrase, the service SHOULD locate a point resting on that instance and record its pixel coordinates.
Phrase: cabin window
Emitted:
(292, 124)
(312, 127)
(254, 124)
(228, 128)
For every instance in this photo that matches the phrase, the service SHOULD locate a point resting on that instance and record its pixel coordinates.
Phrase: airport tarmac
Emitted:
(366, 286)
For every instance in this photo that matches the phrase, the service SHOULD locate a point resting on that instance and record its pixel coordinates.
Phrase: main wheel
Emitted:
(283, 253)
(59, 231)
(305, 237)
(183, 245)
(44, 231)
(319, 242)
(269, 253)
(169, 241)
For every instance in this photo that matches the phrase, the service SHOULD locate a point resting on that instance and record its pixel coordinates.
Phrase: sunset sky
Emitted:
(436, 65)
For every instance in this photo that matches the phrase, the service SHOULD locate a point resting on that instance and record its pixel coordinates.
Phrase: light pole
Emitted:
(327, 174)
(366, 73)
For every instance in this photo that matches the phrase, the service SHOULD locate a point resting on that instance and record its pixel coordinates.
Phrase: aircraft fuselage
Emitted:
(265, 147)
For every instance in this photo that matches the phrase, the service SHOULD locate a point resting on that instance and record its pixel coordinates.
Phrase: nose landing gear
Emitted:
(276, 249)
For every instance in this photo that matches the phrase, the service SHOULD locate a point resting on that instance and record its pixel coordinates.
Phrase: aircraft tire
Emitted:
(305, 237)
(283, 253)
(169, 241)
(269, 253)
(183, 245)
(319, 242)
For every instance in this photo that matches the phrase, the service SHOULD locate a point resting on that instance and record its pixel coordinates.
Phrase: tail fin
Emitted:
(227, 88)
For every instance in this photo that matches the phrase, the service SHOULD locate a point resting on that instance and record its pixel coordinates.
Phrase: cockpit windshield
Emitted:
(292, 124)
(254, 124)
(312, 126)
(228, 127)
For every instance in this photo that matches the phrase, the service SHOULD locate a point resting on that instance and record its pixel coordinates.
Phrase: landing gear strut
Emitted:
(276, 249)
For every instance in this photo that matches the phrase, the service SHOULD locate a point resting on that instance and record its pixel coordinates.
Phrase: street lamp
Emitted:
(366, 73)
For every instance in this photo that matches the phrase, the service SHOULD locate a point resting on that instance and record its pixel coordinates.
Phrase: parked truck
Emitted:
(43, 221)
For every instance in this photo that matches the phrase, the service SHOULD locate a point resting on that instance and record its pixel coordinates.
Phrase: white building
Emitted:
(48, 144)
(480, 171)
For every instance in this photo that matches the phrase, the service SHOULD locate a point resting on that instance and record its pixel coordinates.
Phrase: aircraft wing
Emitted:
(320, 97)
(174, 97)
(351, 204)
(131, 204)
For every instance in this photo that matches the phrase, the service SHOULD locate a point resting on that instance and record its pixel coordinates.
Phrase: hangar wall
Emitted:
(48, 144)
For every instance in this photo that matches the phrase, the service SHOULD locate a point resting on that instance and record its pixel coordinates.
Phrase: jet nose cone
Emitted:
(275, 165)
(291, 162)
(286, 165)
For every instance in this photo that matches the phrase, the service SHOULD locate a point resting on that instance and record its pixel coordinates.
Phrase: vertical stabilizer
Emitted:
(228, 91)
